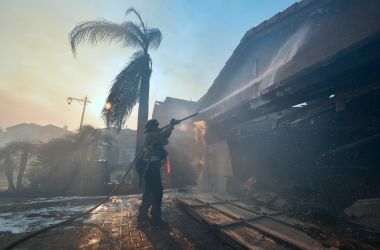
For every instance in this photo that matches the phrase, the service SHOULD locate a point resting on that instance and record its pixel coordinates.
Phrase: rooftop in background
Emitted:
(32, 132)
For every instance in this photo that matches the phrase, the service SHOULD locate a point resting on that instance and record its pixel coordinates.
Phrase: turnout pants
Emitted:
(153, 192)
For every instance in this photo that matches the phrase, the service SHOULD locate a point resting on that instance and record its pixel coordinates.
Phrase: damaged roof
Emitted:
(253, 32)
(310, 43)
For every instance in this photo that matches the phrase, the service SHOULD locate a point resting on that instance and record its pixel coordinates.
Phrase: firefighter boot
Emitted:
(159, 223)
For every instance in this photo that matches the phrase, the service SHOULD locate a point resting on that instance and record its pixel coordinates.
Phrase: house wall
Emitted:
(302, 160)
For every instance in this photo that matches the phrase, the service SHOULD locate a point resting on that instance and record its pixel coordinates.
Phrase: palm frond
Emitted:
(133, 10)
(124, 92)
(154, 38)
(101, 30)
(135, 33)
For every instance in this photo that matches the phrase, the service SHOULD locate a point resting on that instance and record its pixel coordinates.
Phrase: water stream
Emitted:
(284, 55)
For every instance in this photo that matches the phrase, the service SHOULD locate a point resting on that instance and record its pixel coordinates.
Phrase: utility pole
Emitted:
(84, 101)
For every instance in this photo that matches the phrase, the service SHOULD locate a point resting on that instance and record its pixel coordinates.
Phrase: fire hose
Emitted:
(73, 218)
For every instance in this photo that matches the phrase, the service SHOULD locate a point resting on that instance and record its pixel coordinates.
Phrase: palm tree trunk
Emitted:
(21, 169)
(8, 164)
(143, 107)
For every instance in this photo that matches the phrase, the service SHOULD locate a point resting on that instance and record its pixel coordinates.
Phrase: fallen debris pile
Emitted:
(248, 224)
(365, 213)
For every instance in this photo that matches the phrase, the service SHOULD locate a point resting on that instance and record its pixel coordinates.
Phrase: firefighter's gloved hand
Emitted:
(174, 121)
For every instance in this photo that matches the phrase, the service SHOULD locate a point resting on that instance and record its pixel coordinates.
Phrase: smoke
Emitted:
(283, 56)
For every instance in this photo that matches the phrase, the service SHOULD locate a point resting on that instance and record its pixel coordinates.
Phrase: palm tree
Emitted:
(25, 149)
(132, 83)
(8, 163)
(20, 151)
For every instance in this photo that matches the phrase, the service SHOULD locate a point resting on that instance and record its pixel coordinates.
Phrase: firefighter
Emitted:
(153, 155)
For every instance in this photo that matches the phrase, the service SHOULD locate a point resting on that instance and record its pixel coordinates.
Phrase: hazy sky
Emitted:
(38, 71)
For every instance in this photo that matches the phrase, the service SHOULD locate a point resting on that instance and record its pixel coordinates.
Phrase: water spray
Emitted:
(183, 119)
(284, 55)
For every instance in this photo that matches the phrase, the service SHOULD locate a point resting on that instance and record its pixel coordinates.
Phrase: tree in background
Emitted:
(54, 167)
(132, 83)
(20, 151)
(70, 165)
(25, 149)
(8, 164)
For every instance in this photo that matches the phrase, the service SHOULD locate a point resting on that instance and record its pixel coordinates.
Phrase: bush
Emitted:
(69, 166)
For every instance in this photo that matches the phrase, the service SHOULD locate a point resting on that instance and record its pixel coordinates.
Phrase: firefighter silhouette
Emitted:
(153, 155)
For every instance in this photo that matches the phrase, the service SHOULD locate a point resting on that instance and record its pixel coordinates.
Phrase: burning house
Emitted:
(295, 108)
(291, 121)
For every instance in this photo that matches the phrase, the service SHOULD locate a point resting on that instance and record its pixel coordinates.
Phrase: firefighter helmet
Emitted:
(151, 125)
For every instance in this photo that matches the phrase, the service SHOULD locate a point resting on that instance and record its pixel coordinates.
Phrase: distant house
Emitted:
(32, 132)
(123, 150)
(126, 142)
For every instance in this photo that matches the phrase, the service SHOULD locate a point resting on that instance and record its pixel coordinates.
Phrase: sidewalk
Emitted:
(114, 226)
